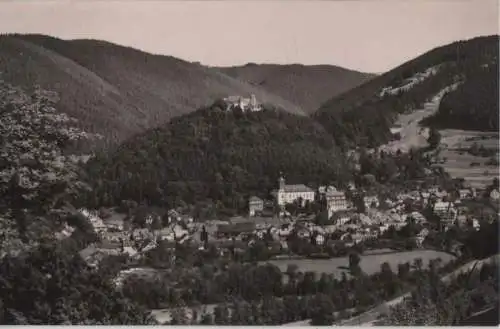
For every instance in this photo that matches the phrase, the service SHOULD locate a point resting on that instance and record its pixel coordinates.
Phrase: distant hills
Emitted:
(115, 90)
(308, 86)
(364, 115)
(119, 91)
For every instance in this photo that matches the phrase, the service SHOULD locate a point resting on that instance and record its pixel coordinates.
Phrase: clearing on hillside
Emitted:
(459, 163)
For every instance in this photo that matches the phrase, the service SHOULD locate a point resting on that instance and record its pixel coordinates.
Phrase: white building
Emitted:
(335, 200)
(287, 194)
(495, 195)
(447, 211)
(245, 104)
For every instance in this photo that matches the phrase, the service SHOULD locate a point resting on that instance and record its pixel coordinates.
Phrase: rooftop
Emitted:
(297, 188)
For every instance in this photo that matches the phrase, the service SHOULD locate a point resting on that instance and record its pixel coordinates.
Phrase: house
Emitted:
(494, 195)
(319, 239)
(255, 205)
(94, 220)
(465, 193)
(371, 201)
(447, 211)
(285, 230)
(115, 222)
(289, 193)
(418, 217)
(341, 218)
(142, 234)
(420, 237)
(115, 237)
(335, 200)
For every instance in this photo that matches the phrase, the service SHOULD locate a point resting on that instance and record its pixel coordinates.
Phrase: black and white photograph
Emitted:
(249, 162)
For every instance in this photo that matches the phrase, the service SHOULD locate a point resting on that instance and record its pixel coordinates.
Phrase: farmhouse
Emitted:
(289, 193)
(255, 204)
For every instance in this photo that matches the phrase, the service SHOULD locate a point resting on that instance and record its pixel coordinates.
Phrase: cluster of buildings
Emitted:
(345, 223)
(118, 235)
(242, 103)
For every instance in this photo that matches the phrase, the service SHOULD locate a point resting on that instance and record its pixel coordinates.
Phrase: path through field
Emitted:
(412, 135)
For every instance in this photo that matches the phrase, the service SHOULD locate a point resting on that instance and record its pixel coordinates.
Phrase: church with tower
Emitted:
(286, 194)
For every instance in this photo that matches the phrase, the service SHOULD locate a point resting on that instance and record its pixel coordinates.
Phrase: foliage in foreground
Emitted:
(36, 176)
(439, 304)
(53, 285)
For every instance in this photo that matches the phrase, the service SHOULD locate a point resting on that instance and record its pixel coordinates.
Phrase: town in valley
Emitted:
(249, 163)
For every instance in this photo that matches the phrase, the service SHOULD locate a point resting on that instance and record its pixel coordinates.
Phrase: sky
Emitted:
(366, 35)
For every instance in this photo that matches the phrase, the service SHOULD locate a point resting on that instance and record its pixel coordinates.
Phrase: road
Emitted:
(370, 317)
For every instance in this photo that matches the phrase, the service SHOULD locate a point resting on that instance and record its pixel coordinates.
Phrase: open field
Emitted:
(369, 263)
(458, 163)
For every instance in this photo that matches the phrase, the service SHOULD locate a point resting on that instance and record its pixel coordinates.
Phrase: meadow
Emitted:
(458, 162)
(369, 263)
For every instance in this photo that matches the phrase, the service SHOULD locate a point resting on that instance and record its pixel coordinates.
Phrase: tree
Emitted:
(354, 261)
(37, 178)
(322, 310)
(53, 285)
(434, 138)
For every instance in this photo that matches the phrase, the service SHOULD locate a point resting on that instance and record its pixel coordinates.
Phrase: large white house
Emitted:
(286, 194)
(335, 200)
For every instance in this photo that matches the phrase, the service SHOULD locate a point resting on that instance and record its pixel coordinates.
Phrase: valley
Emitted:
(140, 188)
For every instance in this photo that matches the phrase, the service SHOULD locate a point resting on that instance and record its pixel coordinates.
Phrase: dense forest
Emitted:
(362, 116)
(473, 105)
(216, 155)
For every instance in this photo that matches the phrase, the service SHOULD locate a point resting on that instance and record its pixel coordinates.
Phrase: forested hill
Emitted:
(473, 105)
(308, 86)
(364, 114)
(217, 155)
(114, 90)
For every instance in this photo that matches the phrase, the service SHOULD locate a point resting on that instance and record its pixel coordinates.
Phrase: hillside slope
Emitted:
(117, 91)
(473, 105)
(215, 155)
(364, 115)
(308, 86)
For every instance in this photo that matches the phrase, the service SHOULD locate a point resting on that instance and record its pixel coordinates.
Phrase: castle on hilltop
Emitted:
(245, 104)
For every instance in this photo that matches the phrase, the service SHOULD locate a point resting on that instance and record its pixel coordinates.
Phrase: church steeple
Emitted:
(281, 182)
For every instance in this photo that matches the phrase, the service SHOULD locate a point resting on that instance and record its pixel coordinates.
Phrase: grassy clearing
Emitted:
(369, 263)
(458, 162)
